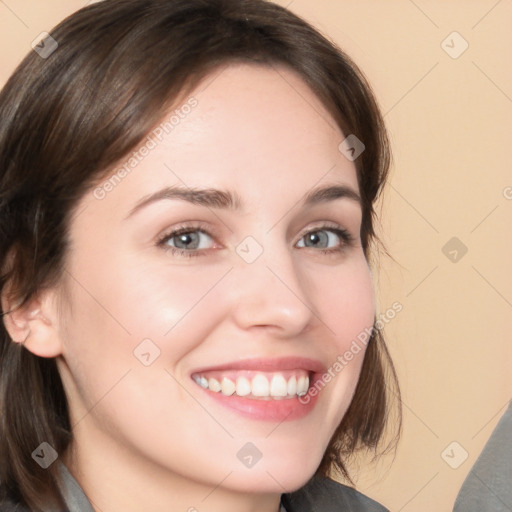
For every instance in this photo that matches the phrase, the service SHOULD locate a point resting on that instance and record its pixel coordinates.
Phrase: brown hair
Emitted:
(68, 117)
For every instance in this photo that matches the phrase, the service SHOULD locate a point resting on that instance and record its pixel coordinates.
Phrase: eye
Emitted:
(187, 241)
(332, 239)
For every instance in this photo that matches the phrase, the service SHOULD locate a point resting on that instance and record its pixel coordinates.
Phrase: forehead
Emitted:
(270, 102)
(256, 130)
(261, 122)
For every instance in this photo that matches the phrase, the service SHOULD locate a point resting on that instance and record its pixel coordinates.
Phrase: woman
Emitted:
(187, 197)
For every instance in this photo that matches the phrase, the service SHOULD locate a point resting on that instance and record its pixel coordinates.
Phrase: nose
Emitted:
(269, 293)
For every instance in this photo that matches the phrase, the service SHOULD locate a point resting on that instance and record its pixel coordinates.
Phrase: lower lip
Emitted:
(280, 410)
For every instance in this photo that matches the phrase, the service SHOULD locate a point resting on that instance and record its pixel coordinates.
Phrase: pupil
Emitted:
(187, 240)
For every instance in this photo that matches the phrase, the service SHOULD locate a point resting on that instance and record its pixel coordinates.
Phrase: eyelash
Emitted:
(347, 239)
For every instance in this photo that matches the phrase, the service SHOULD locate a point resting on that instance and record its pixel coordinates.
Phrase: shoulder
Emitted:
(487, 486)
(326, 495)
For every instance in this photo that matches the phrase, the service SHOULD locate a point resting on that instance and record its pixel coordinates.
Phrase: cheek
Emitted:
(177, 307)
(120, 301)
(346, 304)
(346, 301)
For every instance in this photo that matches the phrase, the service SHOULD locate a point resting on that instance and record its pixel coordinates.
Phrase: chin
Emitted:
(283, 475)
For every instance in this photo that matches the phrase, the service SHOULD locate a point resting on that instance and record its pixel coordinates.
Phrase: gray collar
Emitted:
(76, 500)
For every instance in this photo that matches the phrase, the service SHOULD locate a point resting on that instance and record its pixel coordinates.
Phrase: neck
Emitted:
(114, 479)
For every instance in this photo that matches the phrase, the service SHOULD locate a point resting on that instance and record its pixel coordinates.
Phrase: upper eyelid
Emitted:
(199, 226)
(326, 226)
(186, 229)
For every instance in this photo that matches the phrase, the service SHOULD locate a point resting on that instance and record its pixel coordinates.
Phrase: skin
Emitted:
(149, 434)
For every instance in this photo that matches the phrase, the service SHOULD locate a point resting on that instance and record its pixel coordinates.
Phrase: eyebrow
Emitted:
(224, 199)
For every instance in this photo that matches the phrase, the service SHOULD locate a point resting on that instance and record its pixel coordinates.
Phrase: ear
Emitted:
(34, 324)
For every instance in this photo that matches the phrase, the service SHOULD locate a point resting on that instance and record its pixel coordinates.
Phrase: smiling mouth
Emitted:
(257, 385)
(263, 389)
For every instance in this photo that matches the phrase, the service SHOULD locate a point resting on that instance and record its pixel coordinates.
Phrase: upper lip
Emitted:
(269, 365)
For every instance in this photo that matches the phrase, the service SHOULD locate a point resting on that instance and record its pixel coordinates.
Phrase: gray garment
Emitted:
(488, 486)
(74, 496)
(325, 495)
(319, 495)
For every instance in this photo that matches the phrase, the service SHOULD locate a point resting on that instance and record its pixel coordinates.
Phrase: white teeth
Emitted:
(214, 385)
(260, 386)
(292, 386)
(227, 387)
(243, 386)
(203, 382)
(278, 386)
(302, 385)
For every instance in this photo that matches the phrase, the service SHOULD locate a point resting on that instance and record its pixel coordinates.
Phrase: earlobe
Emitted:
(34, 324)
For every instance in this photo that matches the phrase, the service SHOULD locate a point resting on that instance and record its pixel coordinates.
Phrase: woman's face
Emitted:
(264, 285)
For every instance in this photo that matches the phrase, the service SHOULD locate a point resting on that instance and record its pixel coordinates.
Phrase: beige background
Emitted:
(450, 120)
